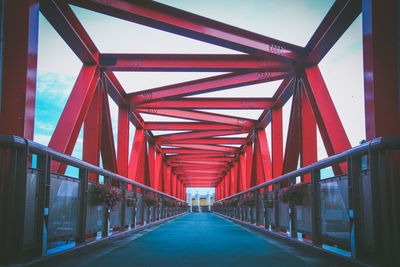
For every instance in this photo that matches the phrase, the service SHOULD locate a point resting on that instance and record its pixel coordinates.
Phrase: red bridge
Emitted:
(355, 212)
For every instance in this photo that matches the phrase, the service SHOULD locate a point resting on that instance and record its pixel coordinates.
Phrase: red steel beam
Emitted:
(284, 92)
(198, 156)
(18, 67)
(107, 138)
(381, 37)
(195, 176)
(212, 158)
(210, 84)
(197, 173)
(265, 156)
(201, 116)
(64, 21)
(198, 166)
(207, 180)
(181, 126)
(152, 162)
(196, 134)
(92, 132)
(189, 151)
(203, 162)
(242, 174)
(199, 185)
(67, 130)
(136, 165)
(277, 142)
(187, 24)
(216, 141)
(249, 161)
(115, 89)
(336, 22)
(328, 121)
(292, 148)
(189, 62)
(308, 151)
(209, 147)
(158, 172)
(123, 141)
(210, 103)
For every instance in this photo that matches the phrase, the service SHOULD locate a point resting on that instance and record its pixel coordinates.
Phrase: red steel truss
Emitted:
(204, 155)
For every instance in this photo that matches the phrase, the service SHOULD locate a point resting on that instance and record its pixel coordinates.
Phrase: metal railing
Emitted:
(43, 212)
(356, 214)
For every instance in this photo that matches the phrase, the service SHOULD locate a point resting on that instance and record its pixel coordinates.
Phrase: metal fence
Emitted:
(356, 214)
(43, 212)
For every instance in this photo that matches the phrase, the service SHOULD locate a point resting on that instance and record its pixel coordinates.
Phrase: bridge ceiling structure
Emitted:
(205, 153)
(212, 149)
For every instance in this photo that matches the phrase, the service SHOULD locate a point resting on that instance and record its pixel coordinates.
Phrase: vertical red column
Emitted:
(265, 156)
(277, 142)
(173, 185)
(236, 177)
(123, 141)
(222, 188)
(381, 39)
(249, 163)
(18, 78)
(381, 69)
(242, 172)
(226, 183)
(255, 170)
(152, 161)
(158, 170)
(108, 154)
(232, 182)
(167, 180)
(136, 170)
(308, 151)
(178, 189)
(92, 133)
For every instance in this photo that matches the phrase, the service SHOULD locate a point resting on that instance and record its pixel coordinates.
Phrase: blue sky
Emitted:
(292, 21)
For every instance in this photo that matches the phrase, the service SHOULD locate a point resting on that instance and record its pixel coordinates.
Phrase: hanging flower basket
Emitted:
(131, 202)
(296, 194)
(249, 201)
(105, 196)
(150, 201)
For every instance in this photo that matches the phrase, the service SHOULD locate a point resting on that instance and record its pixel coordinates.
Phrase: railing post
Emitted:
(123, 206)
(276, 204)
(384, 212)
(353, 178)
(292, 214)
(44, 165)
(316, 207)
(106, 213)
(15, 217)
(134, 190)
(257, 207)
(83, 193)
(266, 202)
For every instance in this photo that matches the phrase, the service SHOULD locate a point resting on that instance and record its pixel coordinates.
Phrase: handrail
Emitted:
(375, 144)
(36, 148)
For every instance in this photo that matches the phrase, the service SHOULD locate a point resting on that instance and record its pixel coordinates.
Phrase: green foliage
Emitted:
(131, 202)
(105, 195)
(150, 201)
(296, 194)
(248, 201)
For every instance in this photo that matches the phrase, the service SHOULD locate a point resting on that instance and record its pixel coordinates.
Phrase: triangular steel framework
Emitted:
(201, 156)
